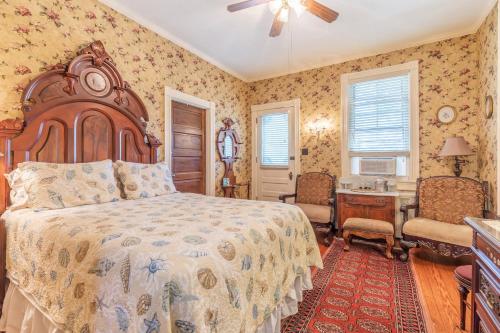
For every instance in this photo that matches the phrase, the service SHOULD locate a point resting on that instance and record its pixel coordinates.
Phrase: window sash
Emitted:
(379, 115)
(275, 139)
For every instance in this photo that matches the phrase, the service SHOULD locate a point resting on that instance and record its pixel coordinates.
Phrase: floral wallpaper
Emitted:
(448, 75)
(487, 134)
(38, 33)
(460, 71)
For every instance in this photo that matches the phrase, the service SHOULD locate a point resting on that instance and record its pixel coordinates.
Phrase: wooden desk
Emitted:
(485, 275)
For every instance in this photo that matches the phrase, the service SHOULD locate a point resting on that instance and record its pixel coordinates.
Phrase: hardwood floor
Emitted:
(434, 275)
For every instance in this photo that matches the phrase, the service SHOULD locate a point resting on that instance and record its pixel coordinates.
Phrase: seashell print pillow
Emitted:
(53, 186)
(145, 180)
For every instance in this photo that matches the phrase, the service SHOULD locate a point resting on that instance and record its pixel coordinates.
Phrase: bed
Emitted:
(173, 263)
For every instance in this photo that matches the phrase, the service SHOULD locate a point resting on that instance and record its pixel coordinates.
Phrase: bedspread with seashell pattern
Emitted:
(174, 263)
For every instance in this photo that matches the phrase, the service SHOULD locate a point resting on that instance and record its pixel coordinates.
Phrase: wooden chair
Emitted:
(315, 195)
(441, 204)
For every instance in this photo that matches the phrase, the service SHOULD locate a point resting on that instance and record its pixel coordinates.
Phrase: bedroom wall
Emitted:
(487, 134)
(448, 75)
(37, 33)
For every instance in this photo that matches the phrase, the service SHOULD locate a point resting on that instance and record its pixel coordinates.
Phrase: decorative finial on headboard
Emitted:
(97, 50)
(11, 124)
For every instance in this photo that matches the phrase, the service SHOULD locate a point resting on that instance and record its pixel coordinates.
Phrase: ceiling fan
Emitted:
(281, 10)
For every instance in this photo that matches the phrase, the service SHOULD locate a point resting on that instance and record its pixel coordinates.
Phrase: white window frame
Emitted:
(346, 80)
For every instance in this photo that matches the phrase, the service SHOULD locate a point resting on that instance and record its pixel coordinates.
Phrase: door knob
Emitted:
(290, 175)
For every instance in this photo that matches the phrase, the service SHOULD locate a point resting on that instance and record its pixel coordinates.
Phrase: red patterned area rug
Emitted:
(359, 291)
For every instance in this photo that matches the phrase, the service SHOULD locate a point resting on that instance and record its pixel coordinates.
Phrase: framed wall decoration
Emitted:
(488, 107)
(446, 114)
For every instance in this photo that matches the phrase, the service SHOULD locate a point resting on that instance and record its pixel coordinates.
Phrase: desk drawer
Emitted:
(367, 200)
(483, 246)
(487, 291)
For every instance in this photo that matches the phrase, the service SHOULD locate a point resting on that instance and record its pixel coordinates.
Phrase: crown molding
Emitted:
(120, 8)
(372, 53)
(397, 47)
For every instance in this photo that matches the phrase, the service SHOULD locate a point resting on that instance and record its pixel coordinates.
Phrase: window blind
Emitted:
(274, 139)
(379, 115)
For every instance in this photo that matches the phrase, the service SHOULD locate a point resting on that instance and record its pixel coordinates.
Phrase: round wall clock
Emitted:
(488, 107)
(446, 114)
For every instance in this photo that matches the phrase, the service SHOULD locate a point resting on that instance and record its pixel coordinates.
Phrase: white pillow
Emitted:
(53, 186)
(145, 180)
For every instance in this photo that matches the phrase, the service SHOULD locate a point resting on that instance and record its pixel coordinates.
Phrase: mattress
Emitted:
(175, 263)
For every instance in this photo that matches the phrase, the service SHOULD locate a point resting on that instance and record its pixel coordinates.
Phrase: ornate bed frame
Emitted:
(79, 112)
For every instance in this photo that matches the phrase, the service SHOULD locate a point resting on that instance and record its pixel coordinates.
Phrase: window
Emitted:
(274, 139)
(380, 132)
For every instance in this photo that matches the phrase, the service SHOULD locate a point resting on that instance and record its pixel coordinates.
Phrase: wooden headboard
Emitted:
(79, 112)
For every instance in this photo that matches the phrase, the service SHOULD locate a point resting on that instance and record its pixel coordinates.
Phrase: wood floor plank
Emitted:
(434, 275)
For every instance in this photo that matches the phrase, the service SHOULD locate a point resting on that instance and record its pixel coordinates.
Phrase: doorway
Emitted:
(190, 142)
(275, 153)
(188, 148)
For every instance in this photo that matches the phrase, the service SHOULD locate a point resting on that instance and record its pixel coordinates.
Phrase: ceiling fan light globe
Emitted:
(275, 6)
(297, 6)
(283, 16)
(299, 10)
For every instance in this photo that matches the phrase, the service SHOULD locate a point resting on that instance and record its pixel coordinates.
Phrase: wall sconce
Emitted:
(319, 126)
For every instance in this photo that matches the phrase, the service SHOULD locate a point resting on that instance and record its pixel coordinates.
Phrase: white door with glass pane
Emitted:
(274, 166)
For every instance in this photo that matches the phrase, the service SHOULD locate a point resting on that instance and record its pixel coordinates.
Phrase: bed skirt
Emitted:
(21, 316)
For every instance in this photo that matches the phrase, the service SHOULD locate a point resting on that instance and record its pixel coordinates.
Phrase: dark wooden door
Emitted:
(188, 148)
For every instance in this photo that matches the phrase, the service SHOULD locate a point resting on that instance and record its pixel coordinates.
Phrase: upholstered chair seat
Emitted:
(315, 195)
(371, 229)
(369, 225)
(456, 234)
(316, 213)
(442, 203)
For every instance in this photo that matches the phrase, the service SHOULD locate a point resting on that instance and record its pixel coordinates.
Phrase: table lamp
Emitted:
(456, 146)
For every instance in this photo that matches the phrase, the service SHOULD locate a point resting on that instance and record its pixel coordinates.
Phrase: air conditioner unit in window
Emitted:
(377, 166)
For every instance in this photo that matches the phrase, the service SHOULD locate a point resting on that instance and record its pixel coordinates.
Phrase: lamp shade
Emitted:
(456, 146)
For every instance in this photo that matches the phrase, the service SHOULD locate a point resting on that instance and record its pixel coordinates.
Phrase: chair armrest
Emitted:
(405, 209)
(490, 215)
(283, 197)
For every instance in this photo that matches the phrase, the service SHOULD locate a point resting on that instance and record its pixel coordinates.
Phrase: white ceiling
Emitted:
(239, 43)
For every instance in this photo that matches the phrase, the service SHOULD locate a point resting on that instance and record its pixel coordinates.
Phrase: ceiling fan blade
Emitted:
(277, 26)
(245, 4)
(321, 11)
